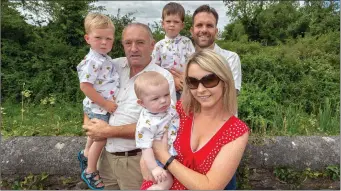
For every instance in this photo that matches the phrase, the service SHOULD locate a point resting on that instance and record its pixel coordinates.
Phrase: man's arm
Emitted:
(178, 79)
(98, 129)
(236, 70)
(88, 89)
(172, 90)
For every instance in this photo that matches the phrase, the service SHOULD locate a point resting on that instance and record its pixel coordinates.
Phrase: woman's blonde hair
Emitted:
(97, 21)
(212, 62)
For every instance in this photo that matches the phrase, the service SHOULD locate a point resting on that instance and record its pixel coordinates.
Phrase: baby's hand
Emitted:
(110, 106)
(159, 174)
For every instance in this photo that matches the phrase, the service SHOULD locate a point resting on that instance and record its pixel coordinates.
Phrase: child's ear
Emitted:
(86, 37)
(140, 102)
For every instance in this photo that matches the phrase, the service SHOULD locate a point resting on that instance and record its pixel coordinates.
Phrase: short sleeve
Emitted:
(150, 128)
(156, 55)
(88, 71)
(236, 129)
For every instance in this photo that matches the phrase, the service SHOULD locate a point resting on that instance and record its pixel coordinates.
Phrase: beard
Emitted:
(203, 44)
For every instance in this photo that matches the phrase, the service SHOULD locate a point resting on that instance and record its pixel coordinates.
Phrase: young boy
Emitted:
(99, 81)
(157, 116)
(174, 50)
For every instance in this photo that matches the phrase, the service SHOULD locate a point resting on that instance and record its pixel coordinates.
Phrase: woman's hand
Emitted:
(96, 129)
(160, 149)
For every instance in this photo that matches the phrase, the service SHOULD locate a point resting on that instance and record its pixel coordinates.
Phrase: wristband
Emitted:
(168, 162)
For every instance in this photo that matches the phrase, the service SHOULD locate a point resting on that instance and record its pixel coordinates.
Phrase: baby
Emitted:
(158, 115)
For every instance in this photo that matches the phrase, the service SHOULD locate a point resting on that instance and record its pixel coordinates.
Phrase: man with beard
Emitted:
(204, 32)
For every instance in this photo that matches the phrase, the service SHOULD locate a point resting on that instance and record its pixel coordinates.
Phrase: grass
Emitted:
(66, 119)
(290, 121)
(41, 120)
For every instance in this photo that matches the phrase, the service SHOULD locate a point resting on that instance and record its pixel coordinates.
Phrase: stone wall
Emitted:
(57, 155)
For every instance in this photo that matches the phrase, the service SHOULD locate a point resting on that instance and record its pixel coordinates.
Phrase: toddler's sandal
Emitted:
(91, 182)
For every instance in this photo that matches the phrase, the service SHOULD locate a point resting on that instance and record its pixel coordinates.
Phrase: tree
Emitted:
(45, 56)
(120, 22)
(275, 22)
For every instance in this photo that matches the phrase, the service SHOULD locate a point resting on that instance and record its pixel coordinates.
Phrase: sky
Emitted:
(150, 11)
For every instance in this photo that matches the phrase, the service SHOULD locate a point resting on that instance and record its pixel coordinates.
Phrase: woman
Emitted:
(211, 140)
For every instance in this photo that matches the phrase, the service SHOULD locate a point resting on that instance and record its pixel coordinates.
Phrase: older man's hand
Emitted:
(96, 129)
(178, 79)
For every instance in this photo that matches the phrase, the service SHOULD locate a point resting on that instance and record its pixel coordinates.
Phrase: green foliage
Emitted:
(44, 119)
(42, 181)
(45, 57)
(30, 182)
(120, 22)
(292, 88)
(296, 177)
(333, 172)
(188, 24)
(287, 175)
(274, 22)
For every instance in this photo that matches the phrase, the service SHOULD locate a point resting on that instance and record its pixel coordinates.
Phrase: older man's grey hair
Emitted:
(146, 27)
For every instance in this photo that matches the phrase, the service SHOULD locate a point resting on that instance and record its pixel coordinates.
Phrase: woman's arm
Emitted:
(98, 129)
(221, 172)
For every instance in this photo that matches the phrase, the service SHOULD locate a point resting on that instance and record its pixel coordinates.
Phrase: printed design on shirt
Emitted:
(152, 126)
(169, 53)
(100, 71)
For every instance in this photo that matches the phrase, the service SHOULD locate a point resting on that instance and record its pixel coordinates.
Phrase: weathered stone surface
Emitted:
(58, 155)
(53, 154)
(298, 152)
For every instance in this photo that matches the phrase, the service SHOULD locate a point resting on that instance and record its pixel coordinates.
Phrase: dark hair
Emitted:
(207, 9)
(172, 9)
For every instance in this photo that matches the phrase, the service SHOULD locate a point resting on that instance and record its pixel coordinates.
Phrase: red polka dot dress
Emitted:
(202, 159)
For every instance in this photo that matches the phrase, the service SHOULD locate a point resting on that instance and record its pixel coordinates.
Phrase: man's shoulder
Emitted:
(157, 68)
(185, 38)
(162, 41)
(120, 61)
(90, 59)
(225, 52)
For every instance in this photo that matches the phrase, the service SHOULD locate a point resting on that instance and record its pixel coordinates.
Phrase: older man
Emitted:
(204, 32)
(119, 162)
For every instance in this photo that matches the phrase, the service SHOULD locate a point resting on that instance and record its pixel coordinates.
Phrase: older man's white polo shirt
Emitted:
(234, 62)
(128, 111)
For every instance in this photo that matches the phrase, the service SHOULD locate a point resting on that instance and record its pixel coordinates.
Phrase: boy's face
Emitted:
(100, 40)
(155, 99)
(172, 25)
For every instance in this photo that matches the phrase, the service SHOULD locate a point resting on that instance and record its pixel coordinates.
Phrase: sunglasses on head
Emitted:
(208, 81)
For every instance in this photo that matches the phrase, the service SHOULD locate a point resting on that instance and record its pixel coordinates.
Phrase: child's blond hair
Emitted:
(97, 21)
(150, 78)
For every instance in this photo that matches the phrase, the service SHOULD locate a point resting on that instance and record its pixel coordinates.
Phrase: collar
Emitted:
(99, 56)
(161, 114)
(149, 67)
(216, 48)
(125, 63)
(175, 39)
